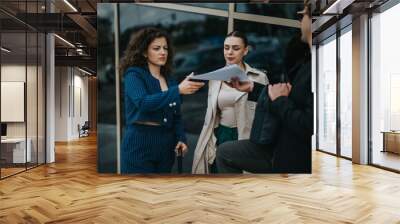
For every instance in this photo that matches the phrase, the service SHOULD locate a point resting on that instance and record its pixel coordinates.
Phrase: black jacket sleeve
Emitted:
(297, 113)
(253, 95)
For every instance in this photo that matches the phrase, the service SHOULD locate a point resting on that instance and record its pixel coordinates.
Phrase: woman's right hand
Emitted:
(189, 87)
(181, 149)
(243, 86)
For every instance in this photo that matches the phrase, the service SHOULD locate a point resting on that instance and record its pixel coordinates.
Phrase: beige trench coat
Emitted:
(205, 151)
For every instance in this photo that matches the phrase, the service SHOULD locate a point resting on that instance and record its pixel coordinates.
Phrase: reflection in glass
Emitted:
(23, 80)
(267, 45)
(106, 135)
(198, 43)
(13, 83)
(223, 6)
(327, 96)
(346, 94)
(288, 11)
(385, 85)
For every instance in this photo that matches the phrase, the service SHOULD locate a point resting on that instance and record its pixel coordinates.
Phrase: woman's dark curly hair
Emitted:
(137, 48)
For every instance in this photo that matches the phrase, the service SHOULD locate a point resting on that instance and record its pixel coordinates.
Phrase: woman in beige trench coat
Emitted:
(229, 114)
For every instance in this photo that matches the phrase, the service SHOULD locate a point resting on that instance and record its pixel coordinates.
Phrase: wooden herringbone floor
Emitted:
(71, 191)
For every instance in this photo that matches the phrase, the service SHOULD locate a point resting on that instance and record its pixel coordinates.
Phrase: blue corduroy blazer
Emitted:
(144, 101)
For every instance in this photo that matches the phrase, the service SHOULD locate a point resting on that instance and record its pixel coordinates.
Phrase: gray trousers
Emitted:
(243, 155)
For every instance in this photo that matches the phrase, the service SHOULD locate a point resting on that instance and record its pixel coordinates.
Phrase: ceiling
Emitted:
(76, 22)
(77, 25)
(336, 14)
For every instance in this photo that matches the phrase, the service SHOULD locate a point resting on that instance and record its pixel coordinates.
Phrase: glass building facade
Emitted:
(198, 32)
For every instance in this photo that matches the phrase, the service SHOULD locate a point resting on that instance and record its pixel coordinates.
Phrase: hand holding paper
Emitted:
(189, 87)
(227, 73)
(245, 86)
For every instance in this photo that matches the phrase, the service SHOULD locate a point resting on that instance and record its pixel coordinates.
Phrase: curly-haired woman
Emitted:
(154, 129)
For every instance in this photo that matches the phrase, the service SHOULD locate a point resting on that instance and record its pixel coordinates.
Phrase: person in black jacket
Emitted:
(280, 139)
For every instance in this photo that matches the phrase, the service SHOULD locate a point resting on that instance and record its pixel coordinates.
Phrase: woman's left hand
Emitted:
(181, 148)
(279, 89)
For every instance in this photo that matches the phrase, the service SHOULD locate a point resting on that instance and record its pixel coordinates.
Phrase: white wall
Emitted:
(71, 94)
(33, 126)
(50, 96)
(360, 90)
(11, 73)
(16, 73)
(61, 103)
(81, 96)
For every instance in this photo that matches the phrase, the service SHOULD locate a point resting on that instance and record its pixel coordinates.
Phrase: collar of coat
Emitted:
(254, 71)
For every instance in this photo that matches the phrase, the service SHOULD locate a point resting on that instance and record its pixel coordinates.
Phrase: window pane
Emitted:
(267, 45)
(41, 98)
(385, 84)
(288, 11)
(31, 98)
(346, 94)
(13, 84)
(327, 96)
(32, 9)
(223, 6)
(198, 43)
(106, 135)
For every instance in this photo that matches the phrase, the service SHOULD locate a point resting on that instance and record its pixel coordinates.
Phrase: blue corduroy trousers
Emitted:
(147, 149)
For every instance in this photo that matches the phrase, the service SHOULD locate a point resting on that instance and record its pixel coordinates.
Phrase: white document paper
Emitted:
(224, 74)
